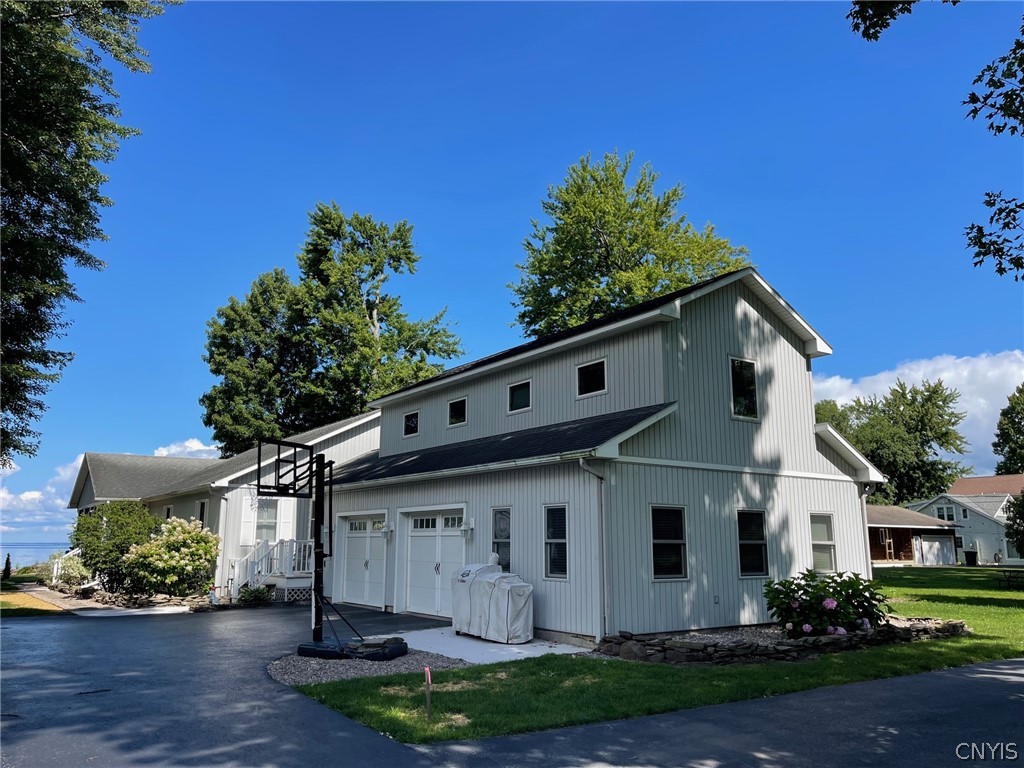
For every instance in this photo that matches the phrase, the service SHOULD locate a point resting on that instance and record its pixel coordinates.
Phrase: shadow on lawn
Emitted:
(971, 600)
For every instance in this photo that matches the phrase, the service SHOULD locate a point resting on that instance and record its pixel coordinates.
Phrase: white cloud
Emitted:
(192, 448)
(984, 382)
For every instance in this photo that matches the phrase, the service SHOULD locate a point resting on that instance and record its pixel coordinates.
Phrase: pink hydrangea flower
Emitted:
(840, 631)
(831, 630)
(829, 604)
(794, 604)
(807, 629)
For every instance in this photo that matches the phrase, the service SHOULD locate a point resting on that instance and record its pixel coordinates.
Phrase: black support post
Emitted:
(319, 489)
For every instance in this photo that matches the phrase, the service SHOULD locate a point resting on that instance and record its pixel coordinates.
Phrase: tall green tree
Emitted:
(904, 434)
(59, 125)
(608, 244)
(1015, 522)
(999, 100)
(106, 534)
(1009, 442)
(294, 356)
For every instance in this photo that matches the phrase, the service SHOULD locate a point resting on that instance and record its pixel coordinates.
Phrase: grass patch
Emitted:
(14, 603)
(556, 691)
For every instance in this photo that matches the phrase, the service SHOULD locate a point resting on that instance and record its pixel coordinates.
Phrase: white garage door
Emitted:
(362, 569)
(937, 550)
(436, 550)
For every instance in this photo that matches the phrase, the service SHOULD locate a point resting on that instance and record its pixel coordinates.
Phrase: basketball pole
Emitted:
(319, 480)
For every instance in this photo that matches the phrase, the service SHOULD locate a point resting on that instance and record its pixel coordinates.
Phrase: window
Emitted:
(411, 424)
(357, 526)
(963, 513)
(945, 513)
(753, 546)
(201, 512)
(823, 544)
(457, 412)
(424, 523)
(744, 389)
(958, 542)
(168, 511)
(452, 523)
(519, 397)
(501, 537)
(266, 520)
(556, 546)
(668, 542)
(590, 379)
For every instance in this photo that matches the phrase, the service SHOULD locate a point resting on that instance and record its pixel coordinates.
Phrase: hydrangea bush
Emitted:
(814, 603)
(178, 561)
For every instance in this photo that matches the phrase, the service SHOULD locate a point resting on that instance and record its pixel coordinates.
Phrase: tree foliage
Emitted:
(1009, 442)
(1000, 102)
(59, 126)
(609, 244)
(1015, 522)
(294, 356)
(904, 434)
(107, 534)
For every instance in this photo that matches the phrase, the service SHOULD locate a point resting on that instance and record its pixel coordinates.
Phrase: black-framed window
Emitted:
(958, 542)
(752, 542)
(411, 424)
(823, 543)
(744, 388)
(201, 512)
(590, 379)
(519, 397)
(457, 412)
(501, 537)
(556, 543)
(668, 542)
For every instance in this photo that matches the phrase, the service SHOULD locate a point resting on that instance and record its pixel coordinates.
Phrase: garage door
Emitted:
(362, 568)
(436, 550)
(937, 550)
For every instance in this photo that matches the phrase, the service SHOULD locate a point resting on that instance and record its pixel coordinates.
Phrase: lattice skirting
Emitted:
(293, 594)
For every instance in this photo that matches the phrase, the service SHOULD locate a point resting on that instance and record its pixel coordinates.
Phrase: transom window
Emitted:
(357, 526)
(744, 388)
(668, 542)
(452, 522)
(590, 379)
(424, 523)
(378, 525)
(457, 412)
(519, 397)
(411, 424)
(823, 544)
(501, 537)
(556, 543)
(753, 545)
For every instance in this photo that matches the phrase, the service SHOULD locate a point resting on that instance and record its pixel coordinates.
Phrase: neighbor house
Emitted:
(901, 536)
(263, 540)
(1001, 485)
(981, 539)
(648, 471)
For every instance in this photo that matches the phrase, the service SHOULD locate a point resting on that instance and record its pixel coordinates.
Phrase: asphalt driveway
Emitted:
(192, 690)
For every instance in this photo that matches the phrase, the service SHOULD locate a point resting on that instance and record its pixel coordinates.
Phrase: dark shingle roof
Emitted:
(552, 440)
(898, 517)
(126, 476)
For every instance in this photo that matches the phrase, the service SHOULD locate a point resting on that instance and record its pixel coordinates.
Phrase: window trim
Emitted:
(831, 543)
(604, 375)
(548, 576)
(494, 538)
(963, 513)
(405, 416)
(508, 397)
(732, 392)
(683, 543)
(201, 507)
(465, 417)
(763, 542)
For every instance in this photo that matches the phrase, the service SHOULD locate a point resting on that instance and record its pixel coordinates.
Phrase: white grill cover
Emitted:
(499, 605)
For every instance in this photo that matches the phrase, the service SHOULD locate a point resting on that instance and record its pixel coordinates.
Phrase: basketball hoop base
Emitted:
(322, 650)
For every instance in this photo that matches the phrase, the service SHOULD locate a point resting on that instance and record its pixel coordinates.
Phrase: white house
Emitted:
(647, 471)
(981, 538)
(263, 540)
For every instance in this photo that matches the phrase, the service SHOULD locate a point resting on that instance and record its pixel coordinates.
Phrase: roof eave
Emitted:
(866, 472)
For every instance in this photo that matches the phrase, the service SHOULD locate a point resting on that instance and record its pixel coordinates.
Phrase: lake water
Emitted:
(30, 553)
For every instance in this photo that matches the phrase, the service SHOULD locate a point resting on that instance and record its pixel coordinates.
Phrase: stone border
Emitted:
(685, 649)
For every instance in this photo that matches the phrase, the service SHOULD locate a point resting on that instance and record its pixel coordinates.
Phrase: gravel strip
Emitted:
(305, 670)
(762, 634)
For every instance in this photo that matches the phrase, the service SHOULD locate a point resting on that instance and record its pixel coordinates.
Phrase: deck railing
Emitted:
(287, 557)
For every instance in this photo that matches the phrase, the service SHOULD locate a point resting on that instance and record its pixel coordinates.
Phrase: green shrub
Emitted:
(73, 572)
(107, 534)
(825, 603)
(254, 595)
(178, 561)
(7, 568)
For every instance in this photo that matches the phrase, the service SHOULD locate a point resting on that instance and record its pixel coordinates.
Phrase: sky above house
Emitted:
(847, 168)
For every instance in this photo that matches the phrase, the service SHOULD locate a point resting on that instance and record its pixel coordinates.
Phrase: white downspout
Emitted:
(865, 490)
(602, 587)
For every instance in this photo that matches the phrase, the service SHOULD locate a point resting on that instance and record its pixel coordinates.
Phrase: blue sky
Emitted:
(846, 167)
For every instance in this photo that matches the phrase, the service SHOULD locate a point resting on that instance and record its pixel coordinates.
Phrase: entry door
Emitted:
(363, 565)
(436, 551)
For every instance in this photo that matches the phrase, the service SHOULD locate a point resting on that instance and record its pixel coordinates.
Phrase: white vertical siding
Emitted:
(714, 594)
(565, 605)
(633, 372)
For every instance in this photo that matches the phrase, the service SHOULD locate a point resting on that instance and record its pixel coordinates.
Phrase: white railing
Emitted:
(288, 557)
(58, 564)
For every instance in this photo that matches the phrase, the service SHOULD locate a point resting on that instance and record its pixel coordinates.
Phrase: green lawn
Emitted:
(555, 691)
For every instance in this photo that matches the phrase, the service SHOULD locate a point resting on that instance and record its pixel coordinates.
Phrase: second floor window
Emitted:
(411, 424)
(744, 389)
(590, 379)
(519, 397)
(457, 412)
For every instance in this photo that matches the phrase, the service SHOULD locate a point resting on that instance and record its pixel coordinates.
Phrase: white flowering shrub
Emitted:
(177, 561)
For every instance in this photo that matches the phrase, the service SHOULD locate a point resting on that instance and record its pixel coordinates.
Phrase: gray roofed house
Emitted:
(900, 535)
(120, 476)
(982, 538)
